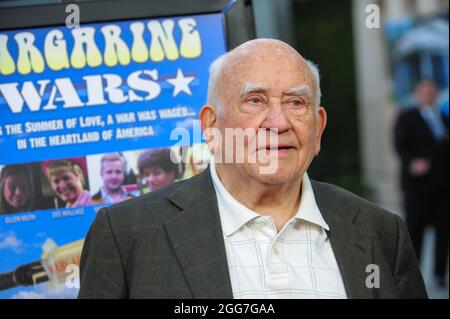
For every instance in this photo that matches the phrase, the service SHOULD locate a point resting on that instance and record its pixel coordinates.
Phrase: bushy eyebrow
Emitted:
(303, 90)
(252, 88)
(299, 91)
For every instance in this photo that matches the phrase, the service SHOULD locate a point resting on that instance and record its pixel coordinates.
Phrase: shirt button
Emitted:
(276, 251)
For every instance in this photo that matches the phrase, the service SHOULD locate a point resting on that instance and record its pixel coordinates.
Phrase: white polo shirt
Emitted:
(298, 262)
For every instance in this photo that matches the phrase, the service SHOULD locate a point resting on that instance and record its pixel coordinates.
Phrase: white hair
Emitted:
(215, 70)
(217, 66)
(316, 74)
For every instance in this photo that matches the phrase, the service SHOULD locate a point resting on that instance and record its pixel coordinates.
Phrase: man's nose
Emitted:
(276, 118)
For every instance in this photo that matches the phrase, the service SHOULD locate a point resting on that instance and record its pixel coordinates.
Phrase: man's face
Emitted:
(113, 175)
(426, 94)
(273, 89)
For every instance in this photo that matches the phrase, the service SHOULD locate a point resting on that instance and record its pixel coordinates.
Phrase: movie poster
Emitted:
(87, 119)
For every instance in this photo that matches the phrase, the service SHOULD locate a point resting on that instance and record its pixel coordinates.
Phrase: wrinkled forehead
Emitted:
(256, 55)
(265, 65)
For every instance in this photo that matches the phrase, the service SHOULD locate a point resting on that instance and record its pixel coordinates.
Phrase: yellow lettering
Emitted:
(30, 58)
(85, 51)
(6, 61)
(162, 43)
(139, 52)
(78, 58)
(191, 45)
(55, 49)
(116, 49)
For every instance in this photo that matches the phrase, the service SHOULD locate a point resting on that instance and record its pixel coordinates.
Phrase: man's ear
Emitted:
(207, 117)
(321, 123)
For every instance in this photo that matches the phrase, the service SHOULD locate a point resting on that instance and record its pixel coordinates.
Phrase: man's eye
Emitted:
(296, 102)
(255, 100)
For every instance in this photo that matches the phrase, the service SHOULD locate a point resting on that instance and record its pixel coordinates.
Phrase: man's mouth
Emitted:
(279, 147)
(276, 150)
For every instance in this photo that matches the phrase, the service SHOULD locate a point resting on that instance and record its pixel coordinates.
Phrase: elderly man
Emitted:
(238, 231)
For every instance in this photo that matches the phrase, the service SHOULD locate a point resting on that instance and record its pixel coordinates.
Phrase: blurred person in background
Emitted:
(156, 168)
(67, 180)
(421, 140)
(113, 170)
(18, 192)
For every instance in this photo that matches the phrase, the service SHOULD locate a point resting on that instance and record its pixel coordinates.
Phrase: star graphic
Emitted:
(181, 83)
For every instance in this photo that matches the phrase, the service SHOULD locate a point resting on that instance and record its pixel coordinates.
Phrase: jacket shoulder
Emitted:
(152, 209)
(386, 229)
(367, 215)
(149, 198)
(408, 114)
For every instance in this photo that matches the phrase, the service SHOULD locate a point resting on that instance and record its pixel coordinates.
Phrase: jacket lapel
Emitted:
(352, 248)
(196, 236)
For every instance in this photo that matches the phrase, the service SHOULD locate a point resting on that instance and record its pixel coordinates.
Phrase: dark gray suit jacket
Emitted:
(169, 244)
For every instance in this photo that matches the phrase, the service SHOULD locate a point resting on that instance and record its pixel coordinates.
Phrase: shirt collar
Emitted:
(233, 214)
(108, 198)
(308, 209)
(426, 111)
